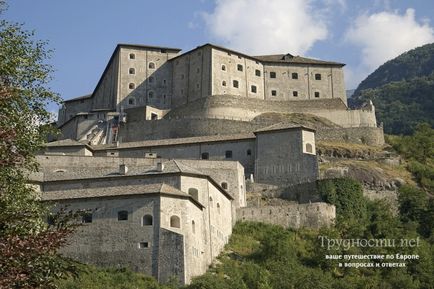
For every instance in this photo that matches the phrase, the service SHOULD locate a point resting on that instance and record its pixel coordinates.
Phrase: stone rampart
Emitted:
(314, 215)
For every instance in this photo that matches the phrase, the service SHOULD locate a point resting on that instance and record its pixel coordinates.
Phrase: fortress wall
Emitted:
(90, 161)
(349, 118)
(314, 215)
(105, 95)
(363, 135)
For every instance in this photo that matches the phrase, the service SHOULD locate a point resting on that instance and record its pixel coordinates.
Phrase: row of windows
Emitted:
(295, 93)
(228, 154)
(241, 68)
(151, 79)
(151, 65)
(294, 75)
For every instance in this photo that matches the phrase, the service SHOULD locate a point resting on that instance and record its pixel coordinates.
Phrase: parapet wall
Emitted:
(314, 215)
(188, 127)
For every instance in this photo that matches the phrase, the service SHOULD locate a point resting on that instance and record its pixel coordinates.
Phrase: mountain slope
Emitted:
(402, 90)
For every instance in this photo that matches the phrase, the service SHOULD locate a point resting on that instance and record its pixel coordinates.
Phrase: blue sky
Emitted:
(362, 34)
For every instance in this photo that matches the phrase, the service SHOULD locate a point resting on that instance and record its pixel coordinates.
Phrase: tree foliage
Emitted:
(28, 246)
(402, 91)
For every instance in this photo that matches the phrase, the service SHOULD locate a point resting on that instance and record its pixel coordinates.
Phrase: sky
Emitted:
(362, 34)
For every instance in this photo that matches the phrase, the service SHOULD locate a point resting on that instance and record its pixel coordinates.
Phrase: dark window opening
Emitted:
(131, 101)
(147, 220)
(205, 156)
(154, 116)
(224, 185)
(122, 215)
(151, 65)
(223, 67)
(253, 88)
(272, 74)
(249, 152)
(317, 76)
(235, 83)
(132, 71)
(143, 245)
(228, 154)
(294, 75)
(295, 93)
(132, 56)
(257, 72)
(131, 86)
(273, 92)
(316, 94)
(193, 227)
(87, 218)
(223, 83)
(175, 222)
(239, 67)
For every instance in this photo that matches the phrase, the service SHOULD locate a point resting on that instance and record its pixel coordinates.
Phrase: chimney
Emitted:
(123, 169)
(160, 166)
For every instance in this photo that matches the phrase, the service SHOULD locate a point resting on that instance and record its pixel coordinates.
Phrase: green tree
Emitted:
(28, 246)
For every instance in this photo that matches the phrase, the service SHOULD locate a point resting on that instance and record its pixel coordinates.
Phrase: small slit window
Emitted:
(272, 74)
(205, 156)
(224, 67)
(147, 220)
(273, 92)
(228, 154)
(235, 83)
(131, 86)
(317, 76)
(151, 65)
(132, 56)
(294, 75)
(151, 79)
(249, 152)
(193, 227)
(132, 71)
(151, 94)
(194, 193)
(175, 222)
(317, 94)
(309, 148)
(257, 72)
(224, 185)
(218, 208)
(253, 89)
(223, 83)
(198, 70)
(143, 245)
(239, 67)
(295, 93)
(122, 215)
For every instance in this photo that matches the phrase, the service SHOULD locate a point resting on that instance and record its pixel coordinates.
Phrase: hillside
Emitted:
(402, 90)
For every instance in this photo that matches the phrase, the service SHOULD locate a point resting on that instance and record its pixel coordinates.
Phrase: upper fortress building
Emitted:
(142, 83)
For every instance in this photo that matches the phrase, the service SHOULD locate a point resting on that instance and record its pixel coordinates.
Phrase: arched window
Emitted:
(224, 185)
(194, 193)
(175, 222)
(223, 83)
(309, 148)
(132, 56)
(249, 152)
(193, 226)
(218, 208)
(223, 67)
(132, 71)
(151, 65)
(131, 101)
(147, 220)
(122, 215)
(131, 86)
(151, 94)
(210, 201)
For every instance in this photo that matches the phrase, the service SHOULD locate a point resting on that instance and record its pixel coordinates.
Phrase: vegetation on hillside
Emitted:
(402, 91)
(28, 246)
(261, 256)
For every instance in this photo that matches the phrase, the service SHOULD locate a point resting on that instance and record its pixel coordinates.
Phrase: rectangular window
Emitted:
(205, 156)
(143, 245)
(294, 75)
(316, 94)
(253, 88)
(273, 92)
(228, 154)
(257, 72)
(295, 93)
(317, 76)
(272, 74)
(239, 67)
(235, 83)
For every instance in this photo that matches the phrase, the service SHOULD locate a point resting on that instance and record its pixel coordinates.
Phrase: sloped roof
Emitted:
(283, 126)
(79, 98)
(64, 143)
(288, 58)
(177, 141)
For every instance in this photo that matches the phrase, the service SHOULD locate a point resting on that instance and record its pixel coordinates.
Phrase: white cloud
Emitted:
(268, 26)
(385, 35)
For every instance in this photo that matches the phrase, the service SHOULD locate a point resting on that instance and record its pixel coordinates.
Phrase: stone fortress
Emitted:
(162, 153)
